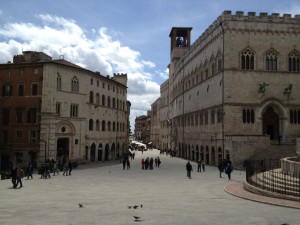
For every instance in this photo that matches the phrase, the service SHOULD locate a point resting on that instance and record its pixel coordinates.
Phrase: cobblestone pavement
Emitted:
(167, 195)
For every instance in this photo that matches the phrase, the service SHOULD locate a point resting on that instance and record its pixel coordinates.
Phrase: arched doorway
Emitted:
(197, 153)
(207, 155)
(213, 156)
(106, 156)
(93, 153)
(271, 123)
(113, 151)
(100, 152)
(62, 154)
(201, 153)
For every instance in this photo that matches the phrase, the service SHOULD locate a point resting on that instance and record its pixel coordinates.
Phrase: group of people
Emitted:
(201, 164)
(51, 166)
(148, 163)
(223, 166)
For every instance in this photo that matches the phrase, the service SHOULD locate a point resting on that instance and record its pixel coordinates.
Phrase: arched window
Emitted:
(109, 126)
(91, 97)
(103, 100)
(75, 85)
(114, 103)
(21, 90)
(7, 90)
(103, 125)
(97, 125)
(271, 60)
(58, 83)
(248, 116)
(114, 126)
(91, 123)
(294, 61)
(97, 99)
(108, 101)
(247, 60)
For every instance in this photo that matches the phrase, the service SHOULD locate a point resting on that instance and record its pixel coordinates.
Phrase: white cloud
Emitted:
(59, 36)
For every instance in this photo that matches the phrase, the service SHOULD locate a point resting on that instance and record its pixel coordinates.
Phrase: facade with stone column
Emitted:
(234, 91)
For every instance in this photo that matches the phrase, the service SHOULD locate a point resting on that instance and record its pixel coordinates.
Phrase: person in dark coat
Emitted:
(70, 167)
(189, 169)
(124, 163)
(228, 170)
(14, 176)
(199, 166)
(29, 171)
(221, 168)
(20, 175)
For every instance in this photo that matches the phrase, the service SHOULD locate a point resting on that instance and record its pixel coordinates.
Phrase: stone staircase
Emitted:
(275, 184)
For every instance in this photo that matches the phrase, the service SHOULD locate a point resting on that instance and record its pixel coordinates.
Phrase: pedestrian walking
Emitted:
(128, 164)
(151, 163)
(143, 163)
(55, 168)
(203, 165)
(20, 175)
(199, 166)
(189, 169)
(221, 168)
(146, 163)
(228, 170)
(124, 163)
(29, 171)
(13, 174)
(70, 167)
(158, 161)
(66, 167)
(47, 171)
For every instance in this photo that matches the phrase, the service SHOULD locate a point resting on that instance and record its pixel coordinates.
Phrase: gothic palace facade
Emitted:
(233, 91)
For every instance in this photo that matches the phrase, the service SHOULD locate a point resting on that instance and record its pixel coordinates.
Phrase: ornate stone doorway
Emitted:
(62, 150)
(271, 123)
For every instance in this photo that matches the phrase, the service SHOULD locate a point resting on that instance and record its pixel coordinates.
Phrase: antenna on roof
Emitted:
(61, 57)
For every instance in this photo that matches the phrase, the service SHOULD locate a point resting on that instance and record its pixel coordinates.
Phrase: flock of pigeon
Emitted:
(136, 218)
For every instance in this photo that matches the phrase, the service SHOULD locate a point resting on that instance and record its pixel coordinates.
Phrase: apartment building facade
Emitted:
(54, 109)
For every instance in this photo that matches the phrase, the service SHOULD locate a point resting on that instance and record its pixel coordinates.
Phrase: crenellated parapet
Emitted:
(250, 17)
(121, 78)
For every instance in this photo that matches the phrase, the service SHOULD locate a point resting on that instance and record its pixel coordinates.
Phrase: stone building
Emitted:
(142, 128)
(54, 109)
(234, 91)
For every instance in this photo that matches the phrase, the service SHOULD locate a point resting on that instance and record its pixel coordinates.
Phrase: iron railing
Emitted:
(267, 175)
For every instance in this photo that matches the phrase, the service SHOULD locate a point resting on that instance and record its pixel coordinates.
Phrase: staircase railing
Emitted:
(268, 175)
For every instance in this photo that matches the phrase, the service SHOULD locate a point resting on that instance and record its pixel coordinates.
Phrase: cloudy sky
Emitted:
(116, 36)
